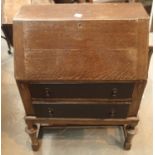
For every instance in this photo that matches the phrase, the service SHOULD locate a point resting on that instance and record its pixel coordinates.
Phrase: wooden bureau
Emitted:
(85, 65)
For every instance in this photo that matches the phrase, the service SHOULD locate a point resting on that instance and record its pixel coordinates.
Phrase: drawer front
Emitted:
(81, 110)
(93, 90)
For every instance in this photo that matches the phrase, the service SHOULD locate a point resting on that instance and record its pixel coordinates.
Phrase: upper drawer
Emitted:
(86, 90)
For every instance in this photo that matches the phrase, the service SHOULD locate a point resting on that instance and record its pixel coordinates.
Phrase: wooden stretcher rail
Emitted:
(85, 122)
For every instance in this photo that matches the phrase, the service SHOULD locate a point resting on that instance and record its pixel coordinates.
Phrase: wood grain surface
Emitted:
(80, 122)
(103, 45)
(67, 58)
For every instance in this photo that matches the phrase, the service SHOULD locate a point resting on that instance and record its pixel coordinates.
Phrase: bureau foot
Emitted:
(129, 131)
(32, 131)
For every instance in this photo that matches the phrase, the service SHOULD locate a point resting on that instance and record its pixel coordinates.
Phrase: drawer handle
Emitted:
(112, 113)
(50, 112)
(114, 92)
(47, 92)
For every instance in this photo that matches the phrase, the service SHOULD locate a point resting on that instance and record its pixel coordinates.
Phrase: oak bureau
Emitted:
(85, 65)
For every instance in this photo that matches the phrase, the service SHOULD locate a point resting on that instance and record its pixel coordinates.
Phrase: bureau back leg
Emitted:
(129, 132)
(32, 130)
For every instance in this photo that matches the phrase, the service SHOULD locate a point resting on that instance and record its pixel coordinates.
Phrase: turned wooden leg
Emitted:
(129, 132)
(31, 129)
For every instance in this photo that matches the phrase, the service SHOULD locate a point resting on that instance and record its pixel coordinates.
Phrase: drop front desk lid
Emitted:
(81, 42)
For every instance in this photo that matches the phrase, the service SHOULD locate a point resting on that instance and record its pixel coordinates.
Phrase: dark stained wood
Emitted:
(81, 110)
(85, 90)
(87, 65)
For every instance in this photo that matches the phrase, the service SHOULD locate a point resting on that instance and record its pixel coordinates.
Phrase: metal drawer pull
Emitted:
(50, 112)
(114, 92)
(47, 92)
(112, 113)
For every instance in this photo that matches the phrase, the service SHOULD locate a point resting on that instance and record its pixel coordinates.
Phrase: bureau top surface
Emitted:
(107, 11)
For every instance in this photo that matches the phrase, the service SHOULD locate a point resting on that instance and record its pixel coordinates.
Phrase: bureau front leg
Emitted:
(129, 132)
(32, 130)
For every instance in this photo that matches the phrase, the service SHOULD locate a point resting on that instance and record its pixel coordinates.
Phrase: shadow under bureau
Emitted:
(85, 65)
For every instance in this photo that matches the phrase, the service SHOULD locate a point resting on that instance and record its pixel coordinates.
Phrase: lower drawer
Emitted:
(81, 110)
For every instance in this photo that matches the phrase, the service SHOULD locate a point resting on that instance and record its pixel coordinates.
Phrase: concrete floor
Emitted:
(68, 141)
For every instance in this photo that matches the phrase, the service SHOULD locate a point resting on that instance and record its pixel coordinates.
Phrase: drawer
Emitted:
(82, 90)
(81, 110)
